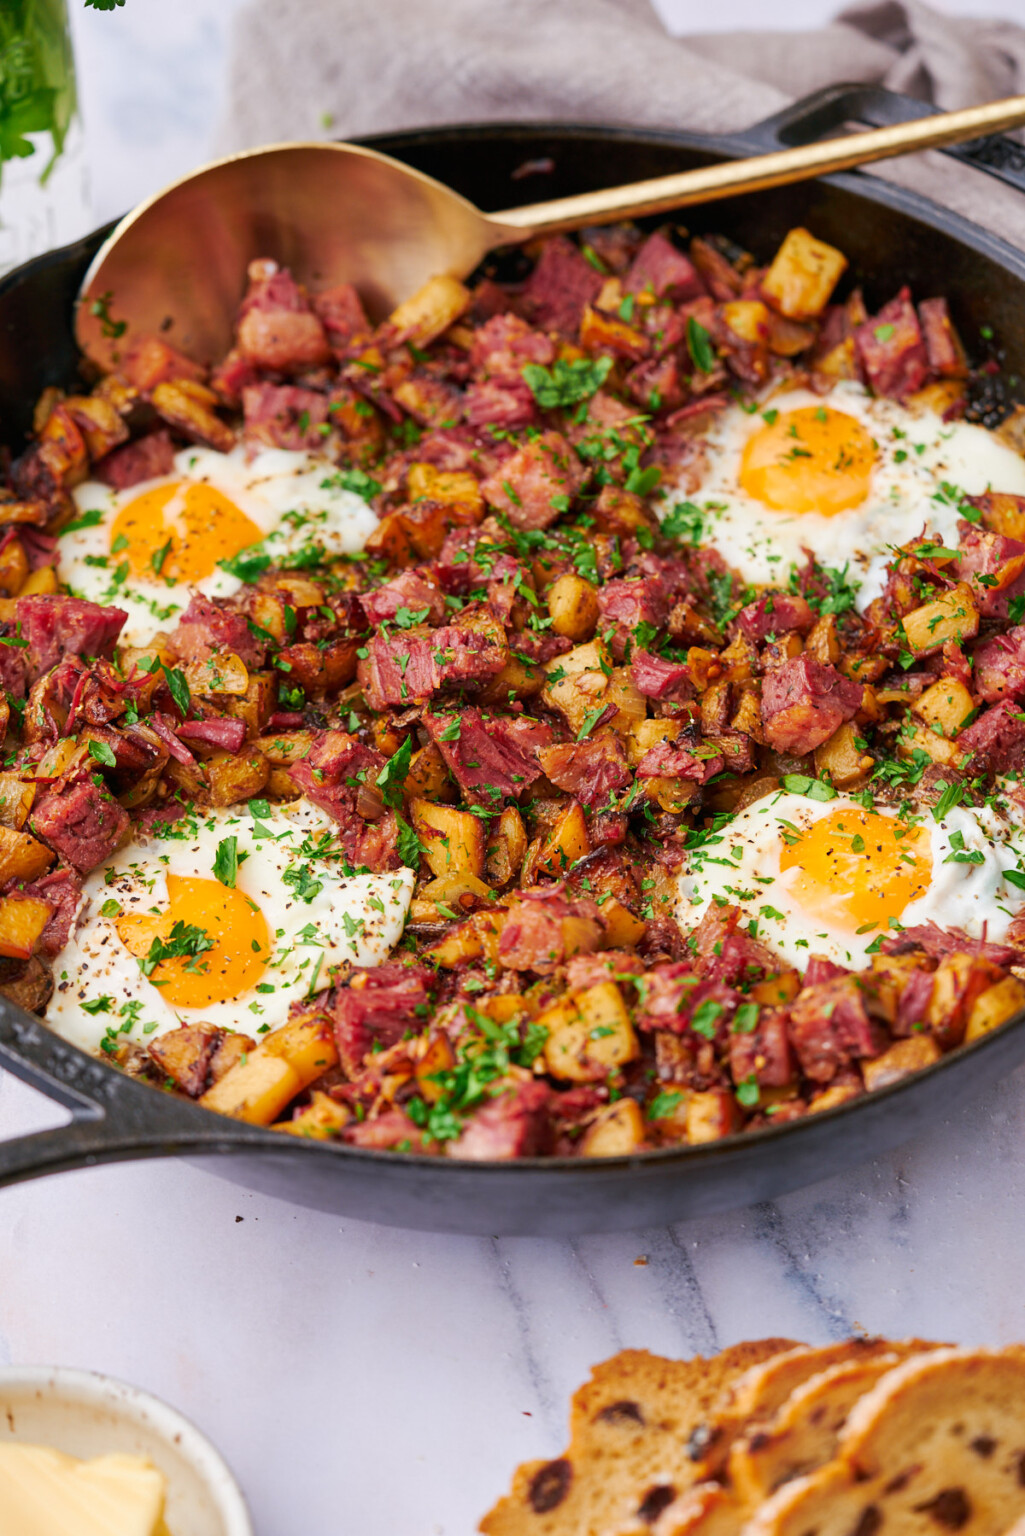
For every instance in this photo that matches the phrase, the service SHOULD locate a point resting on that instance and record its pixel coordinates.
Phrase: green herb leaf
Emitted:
(248, 565)
(685, 522)
(409, 845)
(393, 775)
(699, 344)
(802, 784)
(100, 752)
(226, 862)
(566, 383)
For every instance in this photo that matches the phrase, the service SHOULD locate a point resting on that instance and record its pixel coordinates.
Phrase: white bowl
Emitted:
(85, 1414)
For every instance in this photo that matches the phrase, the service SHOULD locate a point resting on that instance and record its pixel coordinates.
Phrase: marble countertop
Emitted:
(383, 1382)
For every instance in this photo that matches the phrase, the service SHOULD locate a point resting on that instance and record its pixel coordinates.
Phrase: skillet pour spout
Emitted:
(890, 234)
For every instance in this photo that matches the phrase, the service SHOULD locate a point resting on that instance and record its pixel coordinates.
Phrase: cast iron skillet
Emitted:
(891, 236)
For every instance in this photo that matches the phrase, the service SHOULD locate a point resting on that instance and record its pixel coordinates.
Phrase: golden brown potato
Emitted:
(565, 844)
(622, 929)
(98, 421)
(578, 682)
(13, 568)
(432, 309)
(285, 747)
(748, 319)
(957, 984)
(841, 760)
(776, 990)
(822, 641)
(424, 481)
(1002, 512)
(951, 616)
(190, 407)
(944, 752)
(902, 1058)
(266, 1079)
(29, 986)
(711, 1115)
(16, 799)
(616, 1131)
(802, 276)
(647, 734)
(318, 1120)
(589, 1034)
(257, 704)
(437, 1055)
(22, 920)
(428, 776)
(449, 896)
(223, 673)
(573, 606)
(235, 776)
(22, 857)
(39, 583)
(506, 848)
(453, 840)
(475, 939)
(995, 1006)
(673, 795)
(946, 704)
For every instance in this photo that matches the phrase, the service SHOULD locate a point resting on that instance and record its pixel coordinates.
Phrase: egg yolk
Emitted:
(811, 460)
(179, 532)
(221, 940)
(857, 869)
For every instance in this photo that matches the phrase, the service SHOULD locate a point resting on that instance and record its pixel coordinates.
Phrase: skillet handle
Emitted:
(824, 112)
(113, 1117)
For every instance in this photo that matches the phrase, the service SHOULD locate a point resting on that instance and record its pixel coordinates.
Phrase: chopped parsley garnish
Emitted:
(566, 383)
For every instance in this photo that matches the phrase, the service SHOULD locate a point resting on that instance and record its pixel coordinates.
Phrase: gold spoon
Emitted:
(340, 213)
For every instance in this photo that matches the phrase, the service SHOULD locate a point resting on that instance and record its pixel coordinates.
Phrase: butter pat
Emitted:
(45, 1493)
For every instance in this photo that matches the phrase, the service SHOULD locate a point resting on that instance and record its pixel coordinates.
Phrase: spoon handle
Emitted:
(749, 175)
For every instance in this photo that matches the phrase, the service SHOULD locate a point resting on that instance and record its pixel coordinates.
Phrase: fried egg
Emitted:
(846, 476)
(225, 918)
(830, 877)
(148, 548)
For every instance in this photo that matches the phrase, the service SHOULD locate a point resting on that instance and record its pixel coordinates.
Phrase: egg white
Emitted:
(354, 918)
(741, 866)
(917, 451)
(293, 498)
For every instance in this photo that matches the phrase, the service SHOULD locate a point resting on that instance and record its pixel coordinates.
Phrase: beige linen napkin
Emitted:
(339, 68)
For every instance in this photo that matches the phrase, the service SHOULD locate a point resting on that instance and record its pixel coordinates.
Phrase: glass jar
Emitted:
(44, 181)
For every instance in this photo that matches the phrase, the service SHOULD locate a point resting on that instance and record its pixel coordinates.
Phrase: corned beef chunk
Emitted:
(340, 311)
(489, 757)
(659, 679)
(403, 669)
(1000, 666)
(830, 1027)
(543, 927)
(145, 459)
(285, 416)
(332, 775)
(559, 287)
(996, 740)
(277, 329)
(81, 822)
(804, 701)
(537, 484)
(377, 1007)
(414, 594)
(891, 349)
(994, 567)
(590, 771)
(661, 269)
(515, 1123)
(942, 344)
(150, 360)
(777, 614)
(54, 627)
(210, 626)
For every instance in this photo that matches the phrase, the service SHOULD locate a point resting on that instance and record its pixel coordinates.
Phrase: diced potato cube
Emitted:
(995, 1006)
(40, 582)
(822, 641)
(257, 704)
(565, 844)
(13, 568)
(958, 982)
(256, 1090)
(802, 276)
(223, 673)
(438, 1055)
(432, 309)
(453, 840)
(942, 751)
(428, 777)
(647, 734)
(777, 990)
(507, 847)
(22, 920)
(578, 682)
(190, 407)
(318, 1120)
(940, 396)
(951, 616)
(841, 760)
(286, 747)
(622, 929)
(891, 974)
(573, 606)
(946, 704)
(589, 1034)
(424, 481)
(832, 1098)
(1004, 513)
(616, 1131)
(16, 799)
(22, 857)
(307, 1042)
(475, 939)
(673, 795)
(443, 897)
(902, 1058)
(748, 319)
(711, 1115)
(235, 776)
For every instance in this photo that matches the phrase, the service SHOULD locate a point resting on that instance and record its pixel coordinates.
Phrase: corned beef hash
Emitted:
(582, 714)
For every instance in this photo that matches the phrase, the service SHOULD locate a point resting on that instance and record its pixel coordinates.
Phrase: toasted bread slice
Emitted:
(805, 1431)
(631, 1427)
(937, 1445)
